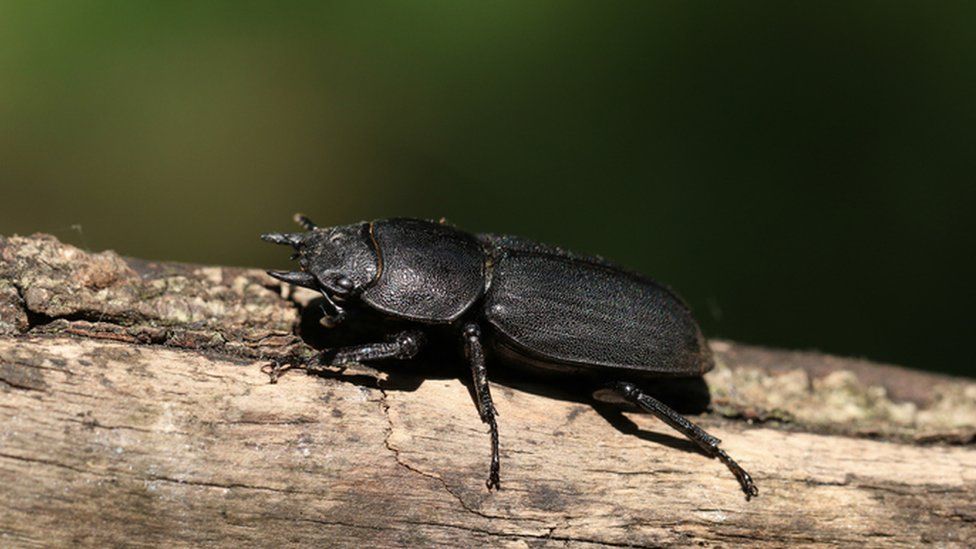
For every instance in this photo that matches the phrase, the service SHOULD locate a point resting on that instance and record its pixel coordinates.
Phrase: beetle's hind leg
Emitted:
(479, 373)
(708, 443)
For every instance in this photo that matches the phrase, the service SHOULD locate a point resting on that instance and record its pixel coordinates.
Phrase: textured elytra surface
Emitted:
(430, 272)
(157, 428)
(588, 313)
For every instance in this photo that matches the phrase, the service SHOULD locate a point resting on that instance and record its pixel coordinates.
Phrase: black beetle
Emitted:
(536, 306)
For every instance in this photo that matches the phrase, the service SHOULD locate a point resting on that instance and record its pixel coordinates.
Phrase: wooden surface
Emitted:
(134, 410)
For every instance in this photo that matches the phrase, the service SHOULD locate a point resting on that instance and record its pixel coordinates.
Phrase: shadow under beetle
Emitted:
(535, 306)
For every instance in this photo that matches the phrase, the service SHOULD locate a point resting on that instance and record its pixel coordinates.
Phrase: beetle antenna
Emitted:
(304, 222)
(333, 320)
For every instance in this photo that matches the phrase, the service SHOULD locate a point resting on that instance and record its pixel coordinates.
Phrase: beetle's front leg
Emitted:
(479, 373)
(401, 346)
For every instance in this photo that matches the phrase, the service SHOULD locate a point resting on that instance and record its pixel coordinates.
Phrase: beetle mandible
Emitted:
(532, 305)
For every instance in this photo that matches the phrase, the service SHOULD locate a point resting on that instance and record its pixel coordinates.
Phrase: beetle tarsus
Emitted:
(278, 366)
(696, 434)
(744, 478)
(274, 369)
(479, 374)
(493, 482)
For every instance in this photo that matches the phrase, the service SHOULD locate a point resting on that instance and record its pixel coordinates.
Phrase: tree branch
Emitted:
(133, 409)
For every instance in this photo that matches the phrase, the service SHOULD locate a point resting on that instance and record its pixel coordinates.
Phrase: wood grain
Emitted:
(134, 411)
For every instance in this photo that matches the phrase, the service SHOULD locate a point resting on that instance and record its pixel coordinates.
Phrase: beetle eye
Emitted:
(345, 283)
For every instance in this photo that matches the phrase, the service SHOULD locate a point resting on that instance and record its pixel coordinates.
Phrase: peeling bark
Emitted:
(133, 410)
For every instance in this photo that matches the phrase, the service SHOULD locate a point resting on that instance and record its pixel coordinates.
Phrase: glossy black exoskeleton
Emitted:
(540, 307)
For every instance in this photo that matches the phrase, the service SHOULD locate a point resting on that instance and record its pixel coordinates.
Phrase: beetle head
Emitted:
(338, 261)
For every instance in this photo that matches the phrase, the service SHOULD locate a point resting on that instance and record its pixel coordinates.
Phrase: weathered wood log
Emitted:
(134, 410)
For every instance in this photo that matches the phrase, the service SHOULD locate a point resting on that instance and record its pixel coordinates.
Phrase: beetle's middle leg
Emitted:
(696, 434)
(479, 373)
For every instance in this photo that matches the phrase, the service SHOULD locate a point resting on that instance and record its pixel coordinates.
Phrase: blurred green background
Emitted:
(801, 172)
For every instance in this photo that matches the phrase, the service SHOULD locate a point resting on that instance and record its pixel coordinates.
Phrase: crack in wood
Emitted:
(385, 406)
